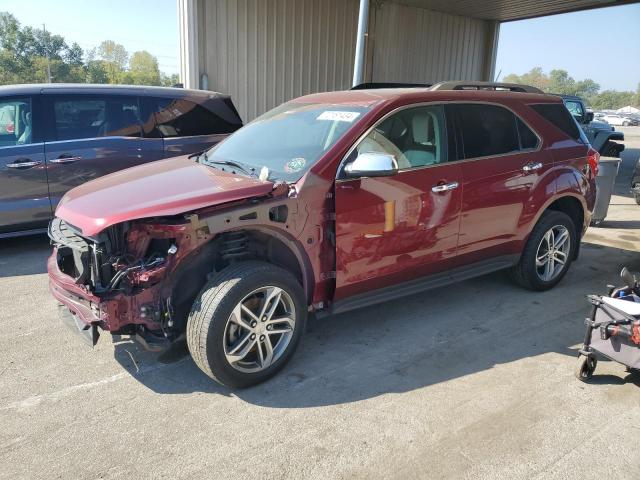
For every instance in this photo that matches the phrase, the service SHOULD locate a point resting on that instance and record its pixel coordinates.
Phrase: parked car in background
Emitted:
(55, 137)
(327, 203)
(635, 182)
(620, 120)
(602, 136)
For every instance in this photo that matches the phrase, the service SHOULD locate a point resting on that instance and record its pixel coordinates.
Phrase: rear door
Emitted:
(502, 165)
(190, 125)
(89, 136)
(396, 228)
(24, 196)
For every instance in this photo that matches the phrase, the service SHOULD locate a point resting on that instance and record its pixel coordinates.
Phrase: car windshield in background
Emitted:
(287, 140)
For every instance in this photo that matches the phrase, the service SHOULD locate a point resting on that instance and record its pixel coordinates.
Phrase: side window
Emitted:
(558, 115)
(575, 109)
(184, 118)
(15, 122)
(486, 130)
(95, 116)
(416, 137)
(528, 139)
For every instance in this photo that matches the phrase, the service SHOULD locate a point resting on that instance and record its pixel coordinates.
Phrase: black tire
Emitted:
(213, 306)
(525, 273)
(625, 124)
(586, 367)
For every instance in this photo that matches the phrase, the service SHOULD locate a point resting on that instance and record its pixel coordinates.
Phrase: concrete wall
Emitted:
(265, 52)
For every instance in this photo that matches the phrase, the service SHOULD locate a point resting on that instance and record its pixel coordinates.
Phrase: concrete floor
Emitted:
(470, 381)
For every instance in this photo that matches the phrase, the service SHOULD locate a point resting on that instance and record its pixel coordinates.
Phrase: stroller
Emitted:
(613, 329)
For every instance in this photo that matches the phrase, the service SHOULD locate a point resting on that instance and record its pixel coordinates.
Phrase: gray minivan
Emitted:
(54, 137)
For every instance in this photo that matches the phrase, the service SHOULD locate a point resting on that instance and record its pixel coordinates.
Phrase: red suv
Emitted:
(327, 203)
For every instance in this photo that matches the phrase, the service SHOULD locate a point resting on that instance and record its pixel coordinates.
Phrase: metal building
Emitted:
(264, 52)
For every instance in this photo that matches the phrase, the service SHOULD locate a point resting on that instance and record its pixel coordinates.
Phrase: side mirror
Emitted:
(372, 165)
(588, 117)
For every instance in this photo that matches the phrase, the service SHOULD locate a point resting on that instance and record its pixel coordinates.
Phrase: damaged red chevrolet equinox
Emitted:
(327, 203)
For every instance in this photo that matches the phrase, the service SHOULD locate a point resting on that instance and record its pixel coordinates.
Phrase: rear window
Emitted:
(558, 115)
(184, 118)
(486, 130)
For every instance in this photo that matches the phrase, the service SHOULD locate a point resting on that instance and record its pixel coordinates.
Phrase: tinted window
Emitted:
(184, 118)
(92, 117)
(558, 115)
(416, 137)
(528, 139)
(15, 122)
(486, 130)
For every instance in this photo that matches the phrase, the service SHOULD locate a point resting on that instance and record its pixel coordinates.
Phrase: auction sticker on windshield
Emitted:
(339, 116)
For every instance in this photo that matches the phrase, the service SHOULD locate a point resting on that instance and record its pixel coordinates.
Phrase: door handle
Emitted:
(445, 187)
(65, 159)
(23, 164)
(530, 167)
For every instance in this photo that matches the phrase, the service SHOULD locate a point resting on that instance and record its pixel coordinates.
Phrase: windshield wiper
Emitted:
(230, 163)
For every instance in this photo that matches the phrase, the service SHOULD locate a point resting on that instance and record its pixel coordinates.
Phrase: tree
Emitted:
(143, 68)
(169, 80)
(115, 58)
(74, 55)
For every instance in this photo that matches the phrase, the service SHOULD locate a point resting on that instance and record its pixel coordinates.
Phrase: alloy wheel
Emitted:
(553, 253)
(259, 329)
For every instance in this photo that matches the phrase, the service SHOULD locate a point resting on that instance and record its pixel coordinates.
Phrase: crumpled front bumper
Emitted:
(81, 311)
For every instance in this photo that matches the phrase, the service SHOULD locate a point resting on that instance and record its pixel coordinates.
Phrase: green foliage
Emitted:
(24, 52)
(559, 81)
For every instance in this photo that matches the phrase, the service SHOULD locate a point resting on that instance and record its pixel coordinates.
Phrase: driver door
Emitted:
(394, 228)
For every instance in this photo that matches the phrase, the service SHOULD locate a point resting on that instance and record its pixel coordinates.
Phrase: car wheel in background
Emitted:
(548, 252)
(246, 323)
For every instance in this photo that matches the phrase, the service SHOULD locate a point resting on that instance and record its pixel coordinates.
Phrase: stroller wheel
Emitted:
(586, 367)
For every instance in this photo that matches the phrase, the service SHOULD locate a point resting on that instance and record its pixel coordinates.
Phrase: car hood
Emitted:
(163, 188)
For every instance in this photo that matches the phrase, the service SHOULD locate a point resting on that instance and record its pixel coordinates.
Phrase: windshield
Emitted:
(287, 140)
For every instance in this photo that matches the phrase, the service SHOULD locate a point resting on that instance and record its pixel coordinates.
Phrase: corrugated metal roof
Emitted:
(505, 10)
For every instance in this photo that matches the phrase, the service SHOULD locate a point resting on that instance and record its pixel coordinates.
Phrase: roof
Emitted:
(506, 11)
(369, 98)
(36, 88)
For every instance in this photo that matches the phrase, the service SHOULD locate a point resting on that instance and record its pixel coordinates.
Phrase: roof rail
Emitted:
(375, 85)
(472, 85)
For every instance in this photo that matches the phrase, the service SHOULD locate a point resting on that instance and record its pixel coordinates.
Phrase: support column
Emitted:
(188, 28)
(363, 24)
(491, 51)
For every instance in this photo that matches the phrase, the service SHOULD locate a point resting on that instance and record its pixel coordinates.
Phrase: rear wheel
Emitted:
(548, 253)
(246, 323)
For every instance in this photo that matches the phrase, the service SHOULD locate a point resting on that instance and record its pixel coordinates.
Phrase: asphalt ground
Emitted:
(473, 380)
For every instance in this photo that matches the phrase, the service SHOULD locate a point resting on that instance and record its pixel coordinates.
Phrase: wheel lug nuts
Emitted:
(253, 324)
(264, 319)
(253, 336)
(269, 327)
(261, 337)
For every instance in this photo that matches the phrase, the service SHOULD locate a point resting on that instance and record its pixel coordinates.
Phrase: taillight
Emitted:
(593, 158)
(10, 128)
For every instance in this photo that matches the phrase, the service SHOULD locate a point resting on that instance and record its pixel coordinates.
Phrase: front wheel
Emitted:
(586, 367)
(246, 323)
(548, 252)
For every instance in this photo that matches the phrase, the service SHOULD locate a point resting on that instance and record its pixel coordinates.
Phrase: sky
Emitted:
(602, 44)
(137, 24)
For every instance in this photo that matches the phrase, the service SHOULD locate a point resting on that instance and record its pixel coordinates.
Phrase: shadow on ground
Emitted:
(414, 342)
(24, 256)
